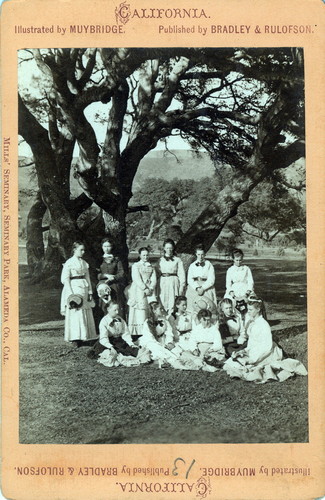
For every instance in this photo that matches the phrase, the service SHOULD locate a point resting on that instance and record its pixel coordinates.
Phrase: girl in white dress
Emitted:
(202, 348)
(157, 336)
(205, 337)
(143, 287)
(79, 322)
(180, 319)
(172, 276)
(262, 359)
(239, 279)
(200, 279)
(158, 341)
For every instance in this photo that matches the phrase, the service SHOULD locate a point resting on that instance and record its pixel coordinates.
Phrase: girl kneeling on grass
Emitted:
(262, 359)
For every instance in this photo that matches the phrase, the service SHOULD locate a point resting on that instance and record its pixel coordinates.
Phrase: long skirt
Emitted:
(118, 344)
(273, 367)
(79, 323)
(169, 288)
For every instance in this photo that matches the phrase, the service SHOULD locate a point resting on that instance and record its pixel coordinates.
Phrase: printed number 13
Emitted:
(174, 471)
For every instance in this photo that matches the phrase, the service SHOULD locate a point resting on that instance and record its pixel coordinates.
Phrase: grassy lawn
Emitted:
(66, 398)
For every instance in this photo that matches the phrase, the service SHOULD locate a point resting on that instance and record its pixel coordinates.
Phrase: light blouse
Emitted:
(239, 280)
(205, 272)
(173, 266)
(117, 327)
(260, 342)
(154, 343)
(143, 275)
(209, 335)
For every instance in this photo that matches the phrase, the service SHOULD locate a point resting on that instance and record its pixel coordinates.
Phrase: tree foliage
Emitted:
(272, 210)
(243, 106)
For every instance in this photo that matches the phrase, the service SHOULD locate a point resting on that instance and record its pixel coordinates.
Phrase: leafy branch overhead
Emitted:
(243, 106)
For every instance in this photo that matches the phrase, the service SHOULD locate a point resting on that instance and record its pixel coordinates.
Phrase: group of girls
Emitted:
(171, 320)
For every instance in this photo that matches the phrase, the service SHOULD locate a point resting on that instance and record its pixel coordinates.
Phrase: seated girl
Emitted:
(231, 327)
(180, 319)
(205, 339)
(157, 335)
(157, 339)
(115, 345)
(262, 359)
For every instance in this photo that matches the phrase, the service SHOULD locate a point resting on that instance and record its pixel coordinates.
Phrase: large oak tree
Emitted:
(243, 106)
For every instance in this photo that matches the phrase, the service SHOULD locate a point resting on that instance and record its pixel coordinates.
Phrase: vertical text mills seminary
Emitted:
(5, 227)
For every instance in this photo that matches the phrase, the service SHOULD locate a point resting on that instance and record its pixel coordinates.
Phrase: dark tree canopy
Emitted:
(243, 106)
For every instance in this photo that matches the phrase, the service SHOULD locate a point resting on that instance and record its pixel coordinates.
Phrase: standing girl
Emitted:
(143, 287)
(111, 273)
(172, 276)
(200, 279)
(239, 279)
(76, 298)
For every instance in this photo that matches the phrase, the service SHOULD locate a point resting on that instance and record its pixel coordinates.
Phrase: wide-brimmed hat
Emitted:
(204, 303)
(75, 301)
(103, 289)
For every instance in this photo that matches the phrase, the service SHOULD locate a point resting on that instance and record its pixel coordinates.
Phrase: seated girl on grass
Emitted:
(157, 339)
(205, 338)
(262, 359)
(180, 319)
(231, 327)
(156, 335)
(115, 346)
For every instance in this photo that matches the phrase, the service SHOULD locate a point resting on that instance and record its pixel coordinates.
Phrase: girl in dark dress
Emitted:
(111, 279)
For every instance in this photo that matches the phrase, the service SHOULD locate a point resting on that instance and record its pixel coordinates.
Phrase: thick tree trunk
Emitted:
(52, 263)
(35, 243)
(210, 223)
(115, 228)
(175, 232)
(63, 232)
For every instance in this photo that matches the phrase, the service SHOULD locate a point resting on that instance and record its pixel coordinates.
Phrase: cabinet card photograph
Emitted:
(162, 250)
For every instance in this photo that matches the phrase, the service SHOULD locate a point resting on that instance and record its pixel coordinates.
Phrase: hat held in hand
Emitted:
(204, 303)
(75, 301)
(103, 290)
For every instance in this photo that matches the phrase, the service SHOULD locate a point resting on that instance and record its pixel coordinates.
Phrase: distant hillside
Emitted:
(182, 164)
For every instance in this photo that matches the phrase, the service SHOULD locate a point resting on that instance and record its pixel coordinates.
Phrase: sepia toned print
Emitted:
(94, 123)
(159, 222)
